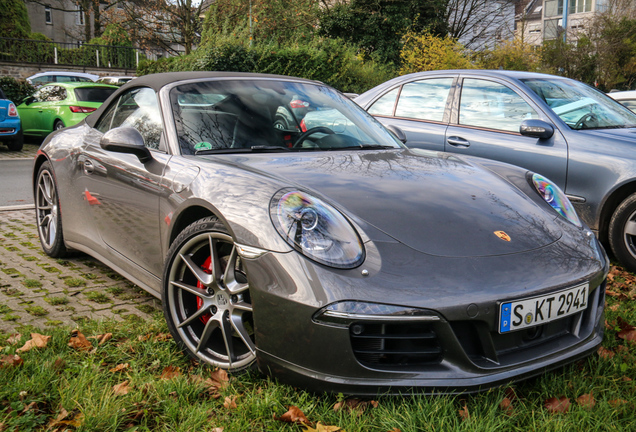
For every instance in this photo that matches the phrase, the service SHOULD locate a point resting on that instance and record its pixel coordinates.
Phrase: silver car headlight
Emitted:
(554, 196)
(316, 229)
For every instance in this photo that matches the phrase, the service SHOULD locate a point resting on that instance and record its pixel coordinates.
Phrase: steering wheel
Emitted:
(589, 117)
(318, 129)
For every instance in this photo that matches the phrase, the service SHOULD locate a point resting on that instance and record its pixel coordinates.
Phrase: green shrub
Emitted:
(16, 90)
(330, 61)
(426, 52)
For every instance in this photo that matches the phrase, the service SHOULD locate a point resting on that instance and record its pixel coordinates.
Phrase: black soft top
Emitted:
(160, 80)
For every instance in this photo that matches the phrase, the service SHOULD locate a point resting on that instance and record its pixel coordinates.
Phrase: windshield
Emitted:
(271, 115)
(581, 106)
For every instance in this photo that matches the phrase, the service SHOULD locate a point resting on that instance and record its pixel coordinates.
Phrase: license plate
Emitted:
(539, 310)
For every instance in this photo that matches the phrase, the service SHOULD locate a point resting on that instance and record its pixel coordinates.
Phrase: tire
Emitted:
(59, 124)
(17, 142)
(47, 210)
(208, 307)
(622, 233)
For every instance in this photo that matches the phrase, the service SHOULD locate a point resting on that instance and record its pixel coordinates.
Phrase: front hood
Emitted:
(434, 203)
(627, 135)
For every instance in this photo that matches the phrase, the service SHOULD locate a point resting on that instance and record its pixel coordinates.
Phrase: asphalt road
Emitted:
(15, 182)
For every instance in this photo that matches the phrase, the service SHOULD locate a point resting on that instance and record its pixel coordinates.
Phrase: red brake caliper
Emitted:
(207, 267)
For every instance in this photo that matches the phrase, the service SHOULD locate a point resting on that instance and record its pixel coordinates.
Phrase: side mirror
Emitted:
(399, 133)
(536, 129)
(126, 140)
(28, 100)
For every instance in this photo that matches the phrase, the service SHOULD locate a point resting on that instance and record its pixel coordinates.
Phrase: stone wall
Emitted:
(24, 70)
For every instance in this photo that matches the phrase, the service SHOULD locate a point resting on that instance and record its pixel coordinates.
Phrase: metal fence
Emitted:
(71, 54)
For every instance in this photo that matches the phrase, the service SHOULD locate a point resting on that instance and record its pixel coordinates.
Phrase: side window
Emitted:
(137, 108)
(385, 105)
(424, 100)
(492, 105)
(51, 93)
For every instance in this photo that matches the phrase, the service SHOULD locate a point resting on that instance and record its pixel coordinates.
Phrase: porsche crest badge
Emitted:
(502, 235)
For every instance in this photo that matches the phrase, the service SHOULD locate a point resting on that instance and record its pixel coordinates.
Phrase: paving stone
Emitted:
(28, 152)
(21, 258)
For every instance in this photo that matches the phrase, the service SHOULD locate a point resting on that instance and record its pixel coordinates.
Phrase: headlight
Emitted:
(554, 196)
(316, 229)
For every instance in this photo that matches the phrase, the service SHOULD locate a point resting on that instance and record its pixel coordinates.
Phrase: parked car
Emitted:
(115, 80)
(627, 98)
(572, 133)
(60, 76)
(10, 129)
(389, 269)
(59, 105)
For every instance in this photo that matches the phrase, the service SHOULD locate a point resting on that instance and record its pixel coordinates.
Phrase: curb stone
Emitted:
(41, 291)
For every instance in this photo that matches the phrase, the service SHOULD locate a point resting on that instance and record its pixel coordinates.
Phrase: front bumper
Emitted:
(466, 353)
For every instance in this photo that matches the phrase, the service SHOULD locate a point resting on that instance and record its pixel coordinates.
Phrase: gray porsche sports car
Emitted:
(331, 257)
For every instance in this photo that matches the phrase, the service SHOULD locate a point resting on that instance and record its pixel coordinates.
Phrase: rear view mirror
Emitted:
(536, 129)
(126, 140)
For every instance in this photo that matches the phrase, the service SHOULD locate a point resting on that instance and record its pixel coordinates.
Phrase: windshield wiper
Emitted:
(253, 149)
(368, 147)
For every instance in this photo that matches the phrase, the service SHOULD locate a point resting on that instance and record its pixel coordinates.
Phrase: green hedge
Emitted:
(328, 60)
(16, 90)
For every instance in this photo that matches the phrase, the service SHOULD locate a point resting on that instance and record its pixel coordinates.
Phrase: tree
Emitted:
(425, 52)
(378, 26)
(14, 20)
(473, 21)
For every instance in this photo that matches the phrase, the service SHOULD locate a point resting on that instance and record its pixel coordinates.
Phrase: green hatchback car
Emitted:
(59, 105)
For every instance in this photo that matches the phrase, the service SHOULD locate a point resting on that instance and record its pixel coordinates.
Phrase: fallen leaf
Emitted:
(59, 364)
(10, 360)
(102, 338)
(76, 421)
(628, 335)
(162, 337)
(395, 430)
(604, 353)
(323, 428)
(218, 429)
(626, 379)
(120, 367)
(586, 401)
(293, 415)
(14, 338)
(557, 405)
(615, 307)
(230, 402)
(170, 372)
(622, 349)
(220, 377)
(510, 393)
(464, 414)
(79, 342)
(142, 338)
(506, 406)
(37, 341)
(29, 407)
(616, 403)
(354, 405)
(121, 389)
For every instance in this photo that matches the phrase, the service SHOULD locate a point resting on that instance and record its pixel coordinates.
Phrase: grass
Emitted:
(80, 382)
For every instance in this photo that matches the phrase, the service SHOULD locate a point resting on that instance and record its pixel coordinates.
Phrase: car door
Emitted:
(37, 117)
(121, 193)
(486, 117)
(420, 109)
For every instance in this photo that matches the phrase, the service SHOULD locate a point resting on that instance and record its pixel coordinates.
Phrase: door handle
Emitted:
(456, 141)
(88, 167)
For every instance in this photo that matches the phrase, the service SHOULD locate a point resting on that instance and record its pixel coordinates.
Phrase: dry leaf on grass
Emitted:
(323, 428)
(626, 379)
(120, 367)
(63, 420)
(616, 403)
(557, 405)
(14, 338)
(628, 335)
(464, 414)
(122, 389)
(293, 415)
(102, 338)
(604, 353)
(506, 406)
(230, 402)
(162, 337)
(37, 341)
(142, 338)
(586, 401)
(615, 307)
(218, 429)
(170, 372)
(354, 405)
(10, 360)
(220, 378)
(79, 342)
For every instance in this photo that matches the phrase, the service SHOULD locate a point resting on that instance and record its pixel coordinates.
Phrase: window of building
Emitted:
(553, 8)
(48, 17)
(79, 18)
(577, 6)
